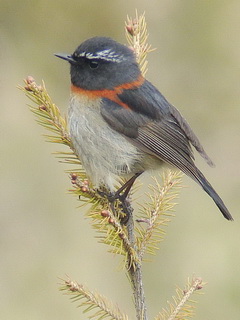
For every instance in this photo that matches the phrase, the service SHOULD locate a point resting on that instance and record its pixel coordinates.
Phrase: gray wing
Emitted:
(169, 137)
(156, 127)
(162, 138)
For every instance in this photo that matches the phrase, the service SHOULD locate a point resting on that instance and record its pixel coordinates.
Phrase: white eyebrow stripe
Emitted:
(107, 55)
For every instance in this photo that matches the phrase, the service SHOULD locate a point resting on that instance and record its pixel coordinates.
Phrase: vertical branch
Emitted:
(135, 275)
(136, 34)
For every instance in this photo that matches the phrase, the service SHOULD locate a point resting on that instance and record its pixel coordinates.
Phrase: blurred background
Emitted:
(43, 234)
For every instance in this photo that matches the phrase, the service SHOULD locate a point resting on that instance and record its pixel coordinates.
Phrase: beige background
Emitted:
(43, 235)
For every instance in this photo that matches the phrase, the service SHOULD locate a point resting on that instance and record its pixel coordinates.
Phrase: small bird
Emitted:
(121, 125)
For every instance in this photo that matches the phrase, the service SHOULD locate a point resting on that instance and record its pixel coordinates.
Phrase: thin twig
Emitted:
(136, 33)
(159, 215)
(135, 275)
(101, 307)
(196, 285)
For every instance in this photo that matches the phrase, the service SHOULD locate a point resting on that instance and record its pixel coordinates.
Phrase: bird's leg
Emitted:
(123, 197)
(127, 187)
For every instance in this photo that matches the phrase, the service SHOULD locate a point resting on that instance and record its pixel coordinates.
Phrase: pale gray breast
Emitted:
(104, 152)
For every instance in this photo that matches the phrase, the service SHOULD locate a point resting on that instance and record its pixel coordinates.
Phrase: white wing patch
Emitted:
(107, 55)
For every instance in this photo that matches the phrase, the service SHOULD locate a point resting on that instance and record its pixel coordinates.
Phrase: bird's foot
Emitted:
(124, 205)
(127, 209)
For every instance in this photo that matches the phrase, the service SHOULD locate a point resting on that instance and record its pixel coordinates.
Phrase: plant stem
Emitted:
(135, 274)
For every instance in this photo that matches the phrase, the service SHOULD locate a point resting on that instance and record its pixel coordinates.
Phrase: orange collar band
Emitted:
(110, 94)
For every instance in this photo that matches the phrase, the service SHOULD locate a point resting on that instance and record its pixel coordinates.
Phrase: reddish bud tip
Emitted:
(28, 88)
(43, 107)
(73, 176)
(121, 235)
(105, 213)
(86, 182)
(110, 220)
(30, 79)
(130, 30)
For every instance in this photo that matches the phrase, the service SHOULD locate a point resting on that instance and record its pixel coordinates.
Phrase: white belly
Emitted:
(104, 153)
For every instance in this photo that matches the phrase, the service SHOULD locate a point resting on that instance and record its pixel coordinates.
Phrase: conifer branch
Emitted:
(110, 228)
(47, 113)
(156, 213)
(137, 36)
(182, 307)
(99, 306)
(130, 241)
(113, 233)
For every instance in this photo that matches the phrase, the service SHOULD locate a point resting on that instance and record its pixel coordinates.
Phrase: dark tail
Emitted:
(213, 194)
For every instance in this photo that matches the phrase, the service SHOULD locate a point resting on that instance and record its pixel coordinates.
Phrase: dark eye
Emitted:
(93, 64)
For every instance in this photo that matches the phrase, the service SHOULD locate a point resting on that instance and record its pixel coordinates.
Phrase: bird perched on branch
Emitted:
(121, 125)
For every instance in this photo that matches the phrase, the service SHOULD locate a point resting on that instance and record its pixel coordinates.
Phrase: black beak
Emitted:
(65, 56)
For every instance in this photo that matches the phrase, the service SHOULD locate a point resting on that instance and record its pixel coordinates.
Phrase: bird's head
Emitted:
(102, 63)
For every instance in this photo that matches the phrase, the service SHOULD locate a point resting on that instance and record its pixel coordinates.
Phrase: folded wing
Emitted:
(156, 127)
